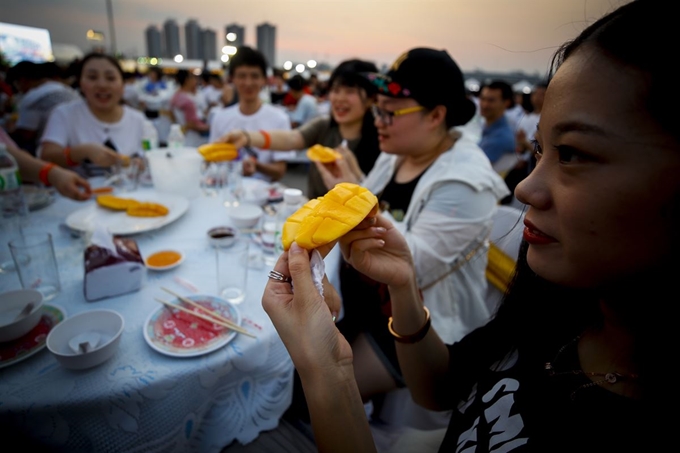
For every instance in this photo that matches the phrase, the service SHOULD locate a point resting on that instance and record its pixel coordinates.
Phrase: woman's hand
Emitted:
(304, 320)
(97, 154)
(238, 138)
(379, 252)
(69, 184)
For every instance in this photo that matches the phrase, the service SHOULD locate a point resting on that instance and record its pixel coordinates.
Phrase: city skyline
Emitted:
(498, 35)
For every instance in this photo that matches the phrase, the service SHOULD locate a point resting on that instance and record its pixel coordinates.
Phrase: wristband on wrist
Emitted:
(267, 139)
(44, 173)
(415, 337)
(69, 161)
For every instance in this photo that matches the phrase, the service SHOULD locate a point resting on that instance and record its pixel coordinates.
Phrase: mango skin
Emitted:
(218, 152)
(325, 219)
(323, 154)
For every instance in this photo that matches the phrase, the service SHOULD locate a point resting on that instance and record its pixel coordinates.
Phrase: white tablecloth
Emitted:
(141, 400)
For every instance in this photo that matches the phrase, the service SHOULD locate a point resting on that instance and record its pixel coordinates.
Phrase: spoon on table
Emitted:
(25, 311)
(84, 342)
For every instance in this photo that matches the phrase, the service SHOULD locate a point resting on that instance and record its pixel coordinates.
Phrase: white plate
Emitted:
(18, 350)
(169, 266)
(118, 222)
(196, 336)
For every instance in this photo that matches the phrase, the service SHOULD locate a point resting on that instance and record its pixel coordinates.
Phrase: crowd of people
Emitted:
(570, 360)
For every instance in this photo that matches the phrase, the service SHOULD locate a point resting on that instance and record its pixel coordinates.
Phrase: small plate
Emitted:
(169, 266)
(22, 348)
(179, 334)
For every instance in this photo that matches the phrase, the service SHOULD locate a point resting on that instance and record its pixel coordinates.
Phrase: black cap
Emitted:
(431, 78)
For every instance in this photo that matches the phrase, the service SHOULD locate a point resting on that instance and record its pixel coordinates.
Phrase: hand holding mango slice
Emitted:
(218, 152)
(323, 220)
(323, 154)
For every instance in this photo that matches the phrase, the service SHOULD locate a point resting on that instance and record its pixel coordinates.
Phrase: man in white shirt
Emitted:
(248, 71)
(41, 94)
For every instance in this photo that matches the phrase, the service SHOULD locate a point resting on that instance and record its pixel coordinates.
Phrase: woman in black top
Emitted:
(579, 355)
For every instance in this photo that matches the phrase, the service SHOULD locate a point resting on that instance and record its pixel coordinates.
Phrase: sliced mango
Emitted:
(325, 219)
(323, 154)
(115, 203)
(218, 152)
(147, 210)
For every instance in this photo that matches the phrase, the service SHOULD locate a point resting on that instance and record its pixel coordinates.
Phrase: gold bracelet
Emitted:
(415, 337)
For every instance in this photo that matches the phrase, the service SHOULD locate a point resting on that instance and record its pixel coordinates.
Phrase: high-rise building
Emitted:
(240, 33)
(171, 38)
(192, 34)
(209, 44)
(266, 42)
(153, 41)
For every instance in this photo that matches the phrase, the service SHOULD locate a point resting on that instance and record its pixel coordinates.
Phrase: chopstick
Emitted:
(231, 326)
(186, 300)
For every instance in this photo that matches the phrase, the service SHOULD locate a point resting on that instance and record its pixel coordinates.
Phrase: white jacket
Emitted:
(446, 227)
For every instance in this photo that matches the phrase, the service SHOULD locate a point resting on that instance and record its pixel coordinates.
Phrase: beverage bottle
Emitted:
(292, 201)
(149, 142)
(13, 206)
(176, 136)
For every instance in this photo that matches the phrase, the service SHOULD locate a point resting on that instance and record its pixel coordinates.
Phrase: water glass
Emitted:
(232, 261)
(128, 176)
(36, 264)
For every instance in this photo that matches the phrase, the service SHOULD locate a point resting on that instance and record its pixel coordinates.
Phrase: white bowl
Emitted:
(245, 215)
(11, 304)
(100, 329)
(255, 191)
(222, 236)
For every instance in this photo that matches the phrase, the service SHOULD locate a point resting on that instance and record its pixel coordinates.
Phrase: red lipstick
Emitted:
(535, 236)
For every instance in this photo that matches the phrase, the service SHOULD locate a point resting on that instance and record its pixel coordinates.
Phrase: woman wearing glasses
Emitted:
(349, 128)
(441, 191)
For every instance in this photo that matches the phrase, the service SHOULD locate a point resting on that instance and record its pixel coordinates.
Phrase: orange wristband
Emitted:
(267, 139)
(44, 172)
(67, 154)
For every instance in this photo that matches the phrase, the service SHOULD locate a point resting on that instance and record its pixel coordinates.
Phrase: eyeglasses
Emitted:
(387, 117)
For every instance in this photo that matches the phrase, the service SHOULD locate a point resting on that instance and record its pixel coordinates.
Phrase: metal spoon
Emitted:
(28, 308)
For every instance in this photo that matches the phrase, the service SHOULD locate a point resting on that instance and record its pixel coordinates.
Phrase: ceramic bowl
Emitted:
(87, 339)
(222, 236)
(245, 215)
(11, 305)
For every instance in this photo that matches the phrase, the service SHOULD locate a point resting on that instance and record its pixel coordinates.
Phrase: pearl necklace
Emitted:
(610, 378)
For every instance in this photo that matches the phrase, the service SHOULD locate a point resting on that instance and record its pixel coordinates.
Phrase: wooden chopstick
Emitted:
(231, 326)
(200, 307)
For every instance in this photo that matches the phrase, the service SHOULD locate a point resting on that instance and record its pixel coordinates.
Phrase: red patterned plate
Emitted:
(22, 348)
(176, 333)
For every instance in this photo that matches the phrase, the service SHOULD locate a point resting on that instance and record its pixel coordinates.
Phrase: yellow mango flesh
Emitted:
(218, 152)
(325, 219)
(323, 154)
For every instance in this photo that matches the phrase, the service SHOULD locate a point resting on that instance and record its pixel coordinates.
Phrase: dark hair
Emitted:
(538, 316)
(349, 74)
(51, 70)
(94, 56)
(297, 82)
(23, 70)
(182, 76)
(247, 56)
(506, 90)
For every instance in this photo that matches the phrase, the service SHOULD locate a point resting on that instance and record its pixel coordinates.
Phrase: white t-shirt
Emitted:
(268, 118)
(73, 124)
(37, 104)
(528, 123)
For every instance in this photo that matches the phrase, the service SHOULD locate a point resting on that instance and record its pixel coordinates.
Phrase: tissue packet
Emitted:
(113, 266)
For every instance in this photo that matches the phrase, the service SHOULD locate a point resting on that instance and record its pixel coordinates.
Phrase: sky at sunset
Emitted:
(491, 35)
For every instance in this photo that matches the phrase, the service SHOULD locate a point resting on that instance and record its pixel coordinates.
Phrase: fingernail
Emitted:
(380, 230)
(335, 315)
(295, 249)
(372, 220)
(381, 242)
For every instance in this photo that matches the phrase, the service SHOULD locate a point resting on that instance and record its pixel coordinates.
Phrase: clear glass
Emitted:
(232, 262)
(36, 263)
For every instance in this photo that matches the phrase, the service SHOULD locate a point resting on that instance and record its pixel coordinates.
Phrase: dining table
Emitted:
(142, 400)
